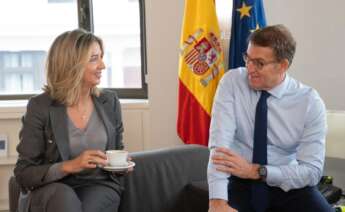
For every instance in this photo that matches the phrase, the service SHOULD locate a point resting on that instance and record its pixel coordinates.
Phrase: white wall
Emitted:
(319, 27)
(163, 26)
(335, 140)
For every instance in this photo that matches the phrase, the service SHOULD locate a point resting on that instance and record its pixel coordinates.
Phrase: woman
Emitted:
(66, 130)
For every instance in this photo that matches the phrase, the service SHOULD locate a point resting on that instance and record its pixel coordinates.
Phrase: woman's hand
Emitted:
(230, 162)
(132, 168)
(89, 159)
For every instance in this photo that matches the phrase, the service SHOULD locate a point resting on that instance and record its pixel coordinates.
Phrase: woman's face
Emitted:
(94, 66)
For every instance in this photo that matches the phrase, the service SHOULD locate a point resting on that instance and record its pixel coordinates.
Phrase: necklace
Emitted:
(82, 113)
(82, 109)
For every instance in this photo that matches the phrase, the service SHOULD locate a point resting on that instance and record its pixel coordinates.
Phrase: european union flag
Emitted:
(247, 16)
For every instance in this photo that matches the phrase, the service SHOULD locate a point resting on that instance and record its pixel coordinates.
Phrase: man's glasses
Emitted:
(258, 63)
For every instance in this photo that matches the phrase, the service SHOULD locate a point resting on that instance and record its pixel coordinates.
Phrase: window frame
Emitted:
(85, 21)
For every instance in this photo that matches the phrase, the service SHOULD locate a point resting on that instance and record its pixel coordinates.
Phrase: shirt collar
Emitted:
(279, 90)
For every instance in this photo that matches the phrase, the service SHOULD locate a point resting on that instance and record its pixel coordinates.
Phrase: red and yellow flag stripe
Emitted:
(200, 69)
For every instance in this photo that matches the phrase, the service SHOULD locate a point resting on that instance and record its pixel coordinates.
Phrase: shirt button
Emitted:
(50, 141)
(31, 188)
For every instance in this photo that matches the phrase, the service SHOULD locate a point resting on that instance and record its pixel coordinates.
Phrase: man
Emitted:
(267, 134)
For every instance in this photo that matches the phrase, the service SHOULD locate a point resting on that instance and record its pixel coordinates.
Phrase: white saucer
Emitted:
(119, 168)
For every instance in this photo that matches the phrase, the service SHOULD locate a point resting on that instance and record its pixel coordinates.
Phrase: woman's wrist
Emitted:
(67, 167)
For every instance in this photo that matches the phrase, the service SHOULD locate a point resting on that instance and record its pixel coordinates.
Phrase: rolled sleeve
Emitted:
(218, 190)
(222, 130)
(275, 176)
(217, 181)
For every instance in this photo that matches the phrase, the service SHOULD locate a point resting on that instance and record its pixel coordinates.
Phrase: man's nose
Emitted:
(250, 66)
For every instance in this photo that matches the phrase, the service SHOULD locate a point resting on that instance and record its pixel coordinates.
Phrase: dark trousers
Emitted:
(83, 197)
(307, 199)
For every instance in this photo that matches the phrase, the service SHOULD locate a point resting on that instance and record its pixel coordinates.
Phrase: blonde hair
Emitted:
(65, 64)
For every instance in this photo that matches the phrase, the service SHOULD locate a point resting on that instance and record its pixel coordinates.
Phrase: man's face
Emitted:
(264, 71)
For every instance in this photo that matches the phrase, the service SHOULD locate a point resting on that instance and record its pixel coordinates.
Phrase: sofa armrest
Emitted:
(159, 177)
(335, 167)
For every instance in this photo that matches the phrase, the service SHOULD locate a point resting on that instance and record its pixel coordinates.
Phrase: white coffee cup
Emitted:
(117, 157)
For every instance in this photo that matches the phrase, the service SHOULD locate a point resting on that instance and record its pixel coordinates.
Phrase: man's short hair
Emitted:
(276, 37)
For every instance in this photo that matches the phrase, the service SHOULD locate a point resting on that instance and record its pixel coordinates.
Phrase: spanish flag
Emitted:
(200, 69)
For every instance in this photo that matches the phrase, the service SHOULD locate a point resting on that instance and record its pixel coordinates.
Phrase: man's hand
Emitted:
(220, 205)
(229, 162)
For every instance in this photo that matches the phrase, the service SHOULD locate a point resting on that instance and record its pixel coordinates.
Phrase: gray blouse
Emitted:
(93, 136)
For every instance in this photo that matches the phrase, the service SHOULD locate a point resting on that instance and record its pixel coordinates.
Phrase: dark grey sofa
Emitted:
(174, 180)
(159, 181)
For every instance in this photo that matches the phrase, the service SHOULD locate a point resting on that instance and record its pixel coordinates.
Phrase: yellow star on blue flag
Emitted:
(247, 16)
(244, 10)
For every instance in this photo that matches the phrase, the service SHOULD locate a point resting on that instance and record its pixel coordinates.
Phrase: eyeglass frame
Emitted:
(259, 64)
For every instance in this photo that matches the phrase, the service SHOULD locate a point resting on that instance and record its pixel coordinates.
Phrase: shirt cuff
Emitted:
(218, 190)
(274, 176)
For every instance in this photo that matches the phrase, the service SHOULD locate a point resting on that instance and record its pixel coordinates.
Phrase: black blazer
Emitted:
(44, 136)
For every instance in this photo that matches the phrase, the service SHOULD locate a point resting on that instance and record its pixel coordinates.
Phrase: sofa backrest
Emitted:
(160, 176)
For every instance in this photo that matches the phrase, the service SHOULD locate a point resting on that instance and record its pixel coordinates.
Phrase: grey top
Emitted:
(93, 137)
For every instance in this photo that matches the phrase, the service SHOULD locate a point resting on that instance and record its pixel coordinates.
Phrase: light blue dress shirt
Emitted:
(295, 135)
